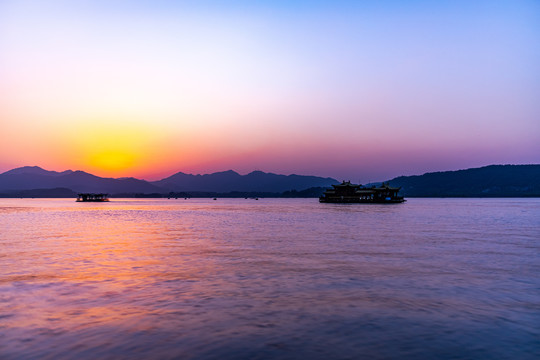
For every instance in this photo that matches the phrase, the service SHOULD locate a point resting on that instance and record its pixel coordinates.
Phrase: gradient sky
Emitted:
(359, 90)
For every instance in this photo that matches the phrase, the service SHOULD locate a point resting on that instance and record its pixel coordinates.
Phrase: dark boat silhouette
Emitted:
(90, 197)
(347, 193)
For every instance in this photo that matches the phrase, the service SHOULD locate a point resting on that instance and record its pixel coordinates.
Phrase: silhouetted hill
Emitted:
(33, 178)
(35, 170)
(488, 181)
(229, 181)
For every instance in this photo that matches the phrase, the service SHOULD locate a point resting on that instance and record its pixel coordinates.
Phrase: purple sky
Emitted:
(355, 90)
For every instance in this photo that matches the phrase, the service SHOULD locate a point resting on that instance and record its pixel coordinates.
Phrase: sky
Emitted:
(355, 90)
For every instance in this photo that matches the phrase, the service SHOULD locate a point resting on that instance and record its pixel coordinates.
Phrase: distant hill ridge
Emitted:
(35, 178)
(35, 170)
(487, 181)
(227, 181)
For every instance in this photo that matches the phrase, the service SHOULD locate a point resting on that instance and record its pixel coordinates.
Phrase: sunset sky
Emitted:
(359, 90)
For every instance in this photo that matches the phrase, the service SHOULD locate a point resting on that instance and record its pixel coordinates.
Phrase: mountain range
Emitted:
(228, 181)
(35, 178)
(488, 181)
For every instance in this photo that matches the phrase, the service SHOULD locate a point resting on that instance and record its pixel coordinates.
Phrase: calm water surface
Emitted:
(274, 278)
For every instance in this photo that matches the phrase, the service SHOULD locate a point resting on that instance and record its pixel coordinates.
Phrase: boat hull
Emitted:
(100, 200)
(92, 197)
(361, 201)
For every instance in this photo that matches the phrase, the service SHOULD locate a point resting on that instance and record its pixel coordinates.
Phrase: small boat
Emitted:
(347, 193)
(90, 197)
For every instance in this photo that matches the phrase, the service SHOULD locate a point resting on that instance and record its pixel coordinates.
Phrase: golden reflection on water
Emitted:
(94, 260)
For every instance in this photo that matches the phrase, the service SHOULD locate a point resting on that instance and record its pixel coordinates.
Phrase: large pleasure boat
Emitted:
(351, 193)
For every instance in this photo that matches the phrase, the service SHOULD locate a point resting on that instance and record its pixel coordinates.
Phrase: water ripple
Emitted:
(287, 279)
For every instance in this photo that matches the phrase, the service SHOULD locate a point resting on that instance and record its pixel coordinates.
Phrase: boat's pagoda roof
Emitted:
(347, 184)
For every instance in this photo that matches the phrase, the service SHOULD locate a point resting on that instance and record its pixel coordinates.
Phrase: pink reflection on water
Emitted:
(273, 278)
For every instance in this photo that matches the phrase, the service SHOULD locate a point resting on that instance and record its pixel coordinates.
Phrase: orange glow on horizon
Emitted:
(112, 160)
(113, 148)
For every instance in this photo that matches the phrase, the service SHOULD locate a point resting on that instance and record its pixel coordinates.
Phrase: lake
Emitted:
(269, 279)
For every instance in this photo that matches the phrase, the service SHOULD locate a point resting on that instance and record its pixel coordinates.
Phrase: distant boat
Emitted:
(92, 197)
(347, 193)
